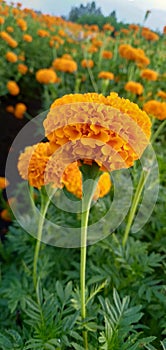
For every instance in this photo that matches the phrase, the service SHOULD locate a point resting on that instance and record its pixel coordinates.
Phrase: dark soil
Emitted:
(10, 127)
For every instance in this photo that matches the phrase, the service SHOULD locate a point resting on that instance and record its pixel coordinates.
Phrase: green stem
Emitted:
(43, 211)
(88, 173)
(134, 205)
(156, 134)
(84, 224)
(92, 80)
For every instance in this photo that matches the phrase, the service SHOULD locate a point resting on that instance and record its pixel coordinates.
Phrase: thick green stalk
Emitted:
(43, 211)
(88, 173)
(84, 225)
(158, 131)
(134, 205)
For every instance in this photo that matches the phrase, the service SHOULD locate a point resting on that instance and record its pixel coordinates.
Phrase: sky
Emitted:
(131, 11)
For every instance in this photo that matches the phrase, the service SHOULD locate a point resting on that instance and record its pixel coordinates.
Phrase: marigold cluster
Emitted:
(43, 33)
(10, 41)
(107, 54)
(28, 38)
(149, 35)
(22, 24)
(133, 54)
(156, 109)
(11, 57)
(108, 27)
(87, 63)
(106, 75)
(99, 120)
(20, 110)
(65, 65)
(13, 88)
(46, 76)
(149, 74)
(134, 87)
(162, 94)
(3, 183)
(72, 179)
(22, 68)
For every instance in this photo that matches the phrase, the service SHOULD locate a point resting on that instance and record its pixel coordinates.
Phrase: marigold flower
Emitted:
(22, 68)
(65, 65)
(134, 27)
(10, 109)
(67, 56)
(46, 76)
(149, 35)
(2, 20)
(162, 94)
(32, 163)
(3, 183)
(72, 179)
(22, 24)
(43, 33)
(107, 54)
(164, 30)
(10, 41)
(108, 26)
(156, 108)
(149, 74)
(6, 215)
(20, 110)
(87, 63)
(11, 57)
(133, 54)
(10, 29)
(13, 88)
(28, 38)
(99, 120)
(106, 75)
(135, 88)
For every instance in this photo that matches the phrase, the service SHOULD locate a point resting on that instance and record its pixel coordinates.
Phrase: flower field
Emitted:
(82, 184)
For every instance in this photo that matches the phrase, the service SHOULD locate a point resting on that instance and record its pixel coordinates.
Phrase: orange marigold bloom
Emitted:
(156, 108)
(149, 74)
(65, 65)
(106, 75)
(134, 27)
(72, 179)
(46, 76)
(96, 126)
(87, 63)
(162, 94)
(28, 38)
(135, 88)
(93, 49)
(3, 183)
(10, 41)
(2, 20)
(6, 215)
(32, 163)
(11, 57)
(43, 33)
(107, 54)
(22, 24)
(13, 88)
(10, 109)
(20, 110)
(22, 68)
(133, 54)
(149, 35)
(10, 29)
(108, 26)
(164, 30)
(67, 56)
